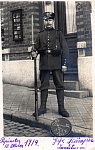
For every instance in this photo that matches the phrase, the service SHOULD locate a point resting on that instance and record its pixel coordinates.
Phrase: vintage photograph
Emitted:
(47, 68)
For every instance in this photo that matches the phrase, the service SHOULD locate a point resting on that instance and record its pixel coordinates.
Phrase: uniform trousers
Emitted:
(57, 79)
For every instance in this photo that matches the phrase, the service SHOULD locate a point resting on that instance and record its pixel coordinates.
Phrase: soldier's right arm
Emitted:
(36, 47)
(37, 42)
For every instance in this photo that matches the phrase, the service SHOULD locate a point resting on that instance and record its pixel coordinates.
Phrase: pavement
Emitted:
(19, 105)
(16, 129)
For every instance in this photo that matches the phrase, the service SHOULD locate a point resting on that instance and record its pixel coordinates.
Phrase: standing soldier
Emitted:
(53, 49)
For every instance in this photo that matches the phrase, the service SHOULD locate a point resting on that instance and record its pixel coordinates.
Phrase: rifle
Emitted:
(35, 76)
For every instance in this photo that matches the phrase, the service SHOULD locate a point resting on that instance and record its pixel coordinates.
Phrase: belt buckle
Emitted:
(49, 51)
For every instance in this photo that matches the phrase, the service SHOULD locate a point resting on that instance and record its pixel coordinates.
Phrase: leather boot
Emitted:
(42, 109)
(60, 98)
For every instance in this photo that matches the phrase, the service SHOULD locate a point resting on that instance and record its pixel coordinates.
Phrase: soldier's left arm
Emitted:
(64, 48)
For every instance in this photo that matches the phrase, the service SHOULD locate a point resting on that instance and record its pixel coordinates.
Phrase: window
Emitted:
(17, 25)
(2, 26)
(71, 17)
(49, 6)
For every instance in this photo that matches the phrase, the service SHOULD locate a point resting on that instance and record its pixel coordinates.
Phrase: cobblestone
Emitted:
(12, 128)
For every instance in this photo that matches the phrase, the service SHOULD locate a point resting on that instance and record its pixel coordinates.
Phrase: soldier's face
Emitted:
(48, 23)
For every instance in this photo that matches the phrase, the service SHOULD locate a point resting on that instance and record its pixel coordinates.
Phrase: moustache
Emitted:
(48, 24)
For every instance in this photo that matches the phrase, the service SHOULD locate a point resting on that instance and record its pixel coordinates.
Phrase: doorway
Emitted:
(65, 20)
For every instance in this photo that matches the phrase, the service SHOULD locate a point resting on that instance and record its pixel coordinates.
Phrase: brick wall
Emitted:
(28, 8)
(19, 49)
(83, 19)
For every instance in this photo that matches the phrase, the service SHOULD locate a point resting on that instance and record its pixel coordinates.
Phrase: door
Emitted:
(67, 24)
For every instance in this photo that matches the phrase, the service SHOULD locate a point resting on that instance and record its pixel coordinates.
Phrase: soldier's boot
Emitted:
(42, 109)
(60, 98)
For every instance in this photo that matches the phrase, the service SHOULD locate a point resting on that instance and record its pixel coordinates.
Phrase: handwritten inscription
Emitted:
(58, 142)
(16, 143)
(72, 143)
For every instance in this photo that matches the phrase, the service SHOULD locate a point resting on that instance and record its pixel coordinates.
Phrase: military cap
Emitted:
(48, 15)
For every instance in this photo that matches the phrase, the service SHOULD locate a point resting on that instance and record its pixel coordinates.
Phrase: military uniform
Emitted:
(52, 47)
(53, 40)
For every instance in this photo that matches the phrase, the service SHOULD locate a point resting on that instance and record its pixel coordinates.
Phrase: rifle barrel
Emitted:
(35, 77)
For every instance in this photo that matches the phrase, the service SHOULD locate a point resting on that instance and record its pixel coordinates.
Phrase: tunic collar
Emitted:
(47, 29)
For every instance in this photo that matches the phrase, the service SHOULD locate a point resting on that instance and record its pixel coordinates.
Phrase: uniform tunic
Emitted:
(52, 47)
(51, 39)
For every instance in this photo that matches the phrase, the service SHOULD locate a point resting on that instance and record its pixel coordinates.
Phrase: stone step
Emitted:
(72, 93)
(68, 85)
(71, 85)
(76, 94)
(71, 75)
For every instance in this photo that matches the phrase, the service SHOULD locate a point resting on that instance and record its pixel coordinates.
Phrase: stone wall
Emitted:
(19, 72)
(85, 73)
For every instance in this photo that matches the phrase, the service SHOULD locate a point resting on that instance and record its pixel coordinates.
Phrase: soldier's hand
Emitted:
(64, 68)
(34, 54)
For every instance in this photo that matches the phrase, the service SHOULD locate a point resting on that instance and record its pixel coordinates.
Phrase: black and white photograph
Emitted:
(47, 68)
